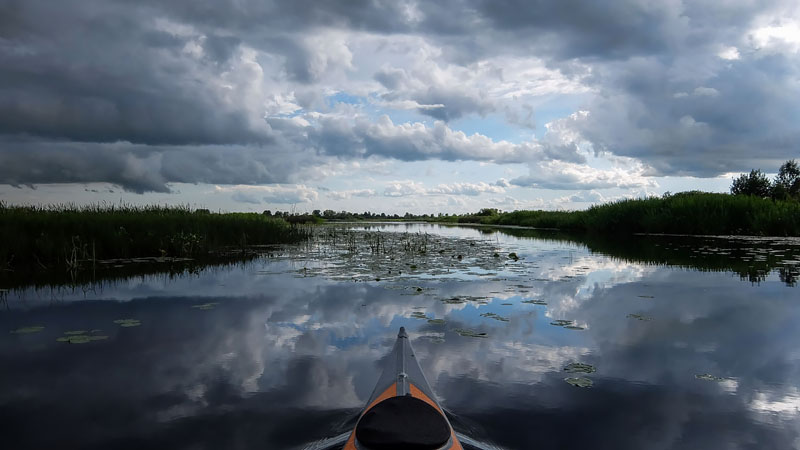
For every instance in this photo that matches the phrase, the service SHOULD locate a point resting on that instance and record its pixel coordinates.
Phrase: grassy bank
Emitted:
(66, 235)
(684, 213)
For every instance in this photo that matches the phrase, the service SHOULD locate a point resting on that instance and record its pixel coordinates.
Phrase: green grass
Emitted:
(65, 234)
(684, 213)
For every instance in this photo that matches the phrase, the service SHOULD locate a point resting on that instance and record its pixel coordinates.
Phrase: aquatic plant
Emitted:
(683, 213)
(470, 333)
(70, 236)
(562, 323)
(581, 382)
(577, 367)
(205, 306)
(28, 330)
(127, 323)
(708, 377)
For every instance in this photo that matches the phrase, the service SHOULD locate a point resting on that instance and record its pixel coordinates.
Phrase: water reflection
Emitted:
(286, 358)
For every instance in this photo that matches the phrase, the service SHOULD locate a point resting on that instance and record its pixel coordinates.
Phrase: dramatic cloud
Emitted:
(569, 176)
(341, 195)
(269, 92)
(405, 188)
(288, 194)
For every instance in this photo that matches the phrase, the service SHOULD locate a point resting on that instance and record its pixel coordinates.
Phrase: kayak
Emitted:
(402, 412)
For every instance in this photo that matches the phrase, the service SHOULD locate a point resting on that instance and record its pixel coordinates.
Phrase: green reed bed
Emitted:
(684, 213)
(65, 235)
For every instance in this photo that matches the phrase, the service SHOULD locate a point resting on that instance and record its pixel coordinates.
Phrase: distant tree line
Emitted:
(785, 186)
(317, 216)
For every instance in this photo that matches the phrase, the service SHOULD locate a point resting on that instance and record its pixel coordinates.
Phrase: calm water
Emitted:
(694, 343)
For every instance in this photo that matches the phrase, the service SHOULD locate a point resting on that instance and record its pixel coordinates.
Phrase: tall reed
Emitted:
(64, 234)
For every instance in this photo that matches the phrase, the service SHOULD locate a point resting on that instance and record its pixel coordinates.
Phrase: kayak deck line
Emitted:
(402, 412)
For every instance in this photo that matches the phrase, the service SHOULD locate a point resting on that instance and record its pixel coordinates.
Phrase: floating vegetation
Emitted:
(535, 301)
(418, 315)
(709, 377)
(645, 296)
(436, 338)
(81, 338)
(28, 330)
(127, 323)
(580, 382)
(562, 323)
(577, 367)
(507, 304)
(574, 327)
(346, 253)
(494, 316)
(205, 306)
(470, 333)
(640, 317)
(436, 321)
(464, 299)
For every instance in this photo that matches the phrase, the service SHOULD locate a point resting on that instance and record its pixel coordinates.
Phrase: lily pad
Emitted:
(205, 306)
(708, 377)
(436, 321)
(581, 382)
(127, 323)
(535, 302)
(470, 333)
(574, 327)
(28, 330)
(577, 367)
(75, 332)
(494, 316)
(562, 322)
(640, 317)
(418, 315)
(81, 338)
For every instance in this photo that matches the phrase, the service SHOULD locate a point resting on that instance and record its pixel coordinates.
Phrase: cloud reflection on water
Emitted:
(284, 360)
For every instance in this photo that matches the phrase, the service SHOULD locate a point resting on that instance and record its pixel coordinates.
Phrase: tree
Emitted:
(315, 213)
(756, 183)
(267, 213)
(787, 183)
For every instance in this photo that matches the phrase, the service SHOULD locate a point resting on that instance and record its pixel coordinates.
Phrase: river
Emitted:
(530, 339)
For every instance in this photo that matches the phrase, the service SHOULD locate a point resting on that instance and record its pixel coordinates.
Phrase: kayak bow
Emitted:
(402, 412)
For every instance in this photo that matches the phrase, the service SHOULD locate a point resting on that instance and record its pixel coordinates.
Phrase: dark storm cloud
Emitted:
(143, 168)
(186, 83)
(743, 117)
(103, 72)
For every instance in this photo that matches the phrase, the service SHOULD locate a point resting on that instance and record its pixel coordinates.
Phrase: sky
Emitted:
(392, 106)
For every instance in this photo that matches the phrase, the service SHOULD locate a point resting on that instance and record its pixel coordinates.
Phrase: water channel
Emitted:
(530, 339)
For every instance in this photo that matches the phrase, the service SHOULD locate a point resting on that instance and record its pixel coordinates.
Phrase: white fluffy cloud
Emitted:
(287, 194)
(410, 187)
(570, 176)
(262, 93)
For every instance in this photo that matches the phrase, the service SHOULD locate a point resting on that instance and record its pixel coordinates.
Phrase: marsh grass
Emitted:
(683, 213)
(68, 236)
